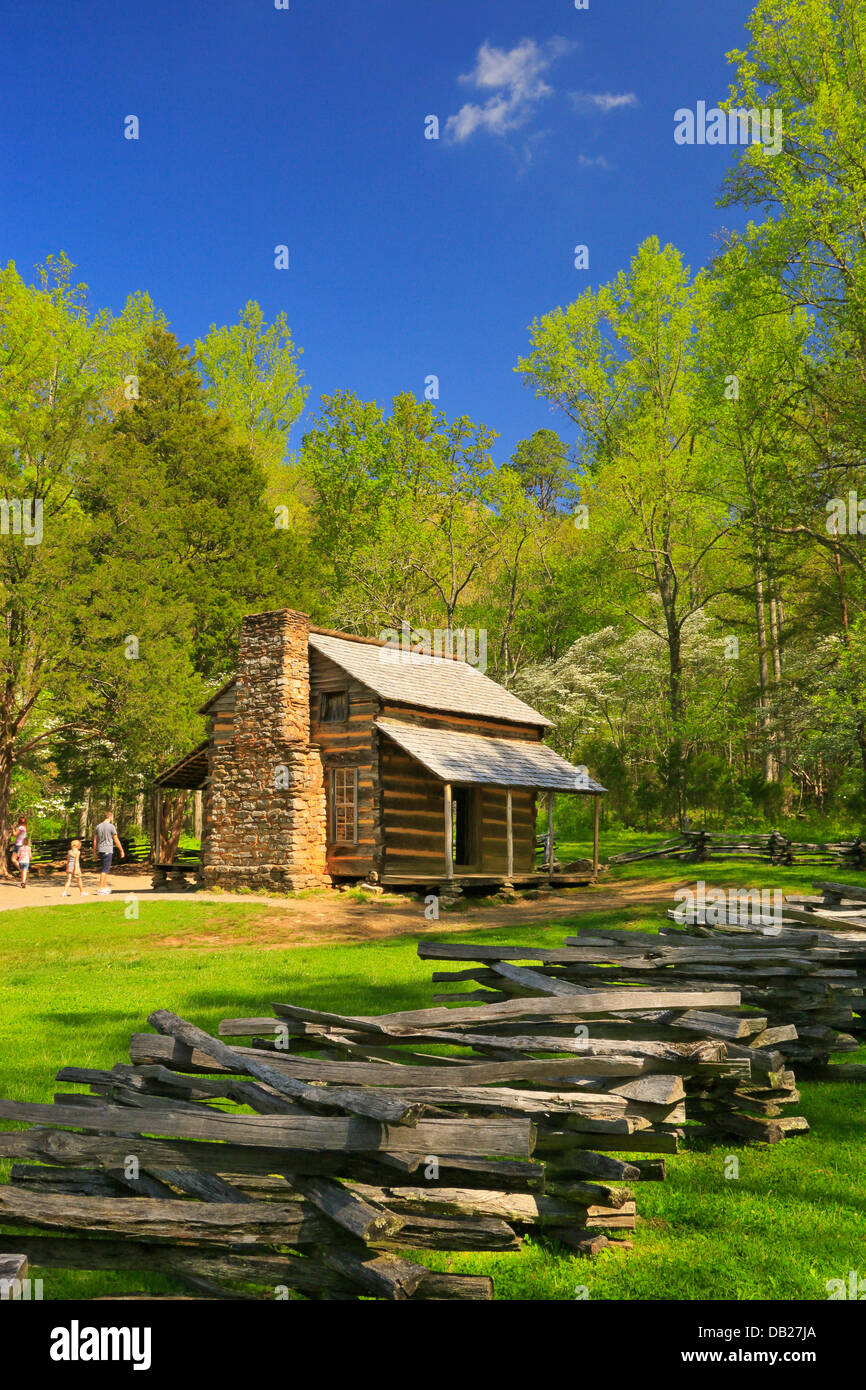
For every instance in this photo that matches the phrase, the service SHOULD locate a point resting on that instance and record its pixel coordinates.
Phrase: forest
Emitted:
(674, 570)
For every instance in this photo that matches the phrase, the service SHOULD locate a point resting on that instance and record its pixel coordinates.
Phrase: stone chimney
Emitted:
(265, 824)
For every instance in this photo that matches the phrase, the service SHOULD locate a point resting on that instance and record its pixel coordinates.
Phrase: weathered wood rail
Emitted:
(313, 1157)
(723, 1061)
(697, 846)
(137, 850)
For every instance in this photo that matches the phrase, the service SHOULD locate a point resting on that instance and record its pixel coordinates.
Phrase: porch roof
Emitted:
(189, 773)
(474, 759)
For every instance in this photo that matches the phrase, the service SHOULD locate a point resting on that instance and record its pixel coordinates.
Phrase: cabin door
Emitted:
(464, 811)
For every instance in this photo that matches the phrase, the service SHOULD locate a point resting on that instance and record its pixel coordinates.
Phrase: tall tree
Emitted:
(253, 375)
(621, 364)
(60, 369)
(403, 510)
(541, 463)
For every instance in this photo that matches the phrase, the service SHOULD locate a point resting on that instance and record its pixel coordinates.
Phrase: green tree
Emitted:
(61, 369)
(403, 510)
(541, 463)
(622, 365)
(253, 375)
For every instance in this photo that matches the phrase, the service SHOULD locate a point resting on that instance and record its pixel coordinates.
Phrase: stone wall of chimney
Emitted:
(265, 812)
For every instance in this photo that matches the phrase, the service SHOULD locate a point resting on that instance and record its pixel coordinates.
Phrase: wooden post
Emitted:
(449, 835)
(509, 837)
(157, 828)
(597, 802)
(550, 835)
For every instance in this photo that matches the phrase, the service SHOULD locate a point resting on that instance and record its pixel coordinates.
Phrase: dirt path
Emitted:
(336, 917)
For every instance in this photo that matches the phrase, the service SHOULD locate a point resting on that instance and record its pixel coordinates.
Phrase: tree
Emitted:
(542, 465)
(621, 364)
(60, 368)
(180, 514)
(806, 57)
(754, 368)
(402, 509)
(252, 374)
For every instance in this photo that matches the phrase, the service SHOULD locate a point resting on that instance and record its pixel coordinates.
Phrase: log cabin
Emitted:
(332, 758)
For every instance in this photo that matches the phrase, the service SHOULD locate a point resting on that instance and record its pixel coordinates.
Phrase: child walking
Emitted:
(22, 856)
(73, 870)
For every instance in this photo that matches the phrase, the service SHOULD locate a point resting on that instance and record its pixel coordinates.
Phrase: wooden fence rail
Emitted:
(697, 846)
(732, 1080)
(138, 849)
(359, 1150)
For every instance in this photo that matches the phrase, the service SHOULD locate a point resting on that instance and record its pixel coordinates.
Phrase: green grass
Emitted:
(77, 981)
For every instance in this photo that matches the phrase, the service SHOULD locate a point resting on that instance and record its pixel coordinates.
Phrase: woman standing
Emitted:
(24, 860)
(20, 835)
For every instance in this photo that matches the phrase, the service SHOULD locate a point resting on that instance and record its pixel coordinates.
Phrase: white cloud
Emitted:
(515, 77)
(584, 162)
(604, 101)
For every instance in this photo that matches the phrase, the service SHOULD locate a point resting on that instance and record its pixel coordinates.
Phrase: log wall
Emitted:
(414, 810)
(349, 745)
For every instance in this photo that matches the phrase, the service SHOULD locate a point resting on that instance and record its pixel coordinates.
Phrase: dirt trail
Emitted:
(335, 917)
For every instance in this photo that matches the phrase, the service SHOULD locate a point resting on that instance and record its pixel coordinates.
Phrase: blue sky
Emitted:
(306, 127)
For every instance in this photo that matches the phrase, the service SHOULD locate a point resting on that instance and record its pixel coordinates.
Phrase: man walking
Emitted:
(104, 840)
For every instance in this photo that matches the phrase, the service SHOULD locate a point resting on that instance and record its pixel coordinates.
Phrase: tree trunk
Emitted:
(776, 643)
(173, 816)
(675, 697)
(84, 815)
(859, 722)
(7, 748)
(763, 671)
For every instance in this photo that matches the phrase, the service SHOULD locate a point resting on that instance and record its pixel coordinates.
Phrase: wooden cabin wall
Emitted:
(494, 830)
(413, 803)
(222, 718)
(410, 790)
(462, 723)
(352, 744)
(414, 814)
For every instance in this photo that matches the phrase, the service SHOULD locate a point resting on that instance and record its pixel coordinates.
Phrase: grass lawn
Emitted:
(77, 981)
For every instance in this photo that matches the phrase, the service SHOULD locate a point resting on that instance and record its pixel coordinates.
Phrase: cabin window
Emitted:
(334, 707)
(344, 805)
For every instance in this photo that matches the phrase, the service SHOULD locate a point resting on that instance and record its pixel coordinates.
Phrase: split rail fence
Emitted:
(362, 1150)
(562, 1079)
(697, 846)
(733, 1079)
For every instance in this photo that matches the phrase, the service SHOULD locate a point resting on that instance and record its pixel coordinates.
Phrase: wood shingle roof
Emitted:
(475, 759)
(427, 682)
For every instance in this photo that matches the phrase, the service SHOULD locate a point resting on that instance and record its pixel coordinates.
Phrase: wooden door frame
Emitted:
(475, 822)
